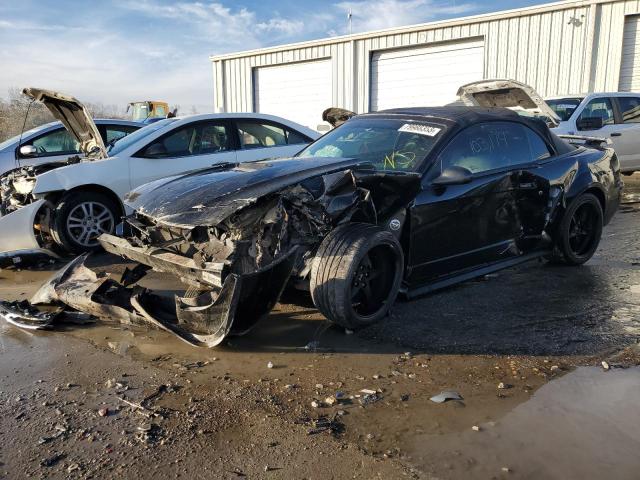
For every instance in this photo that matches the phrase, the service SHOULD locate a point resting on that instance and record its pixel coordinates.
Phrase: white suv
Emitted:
(613, 115)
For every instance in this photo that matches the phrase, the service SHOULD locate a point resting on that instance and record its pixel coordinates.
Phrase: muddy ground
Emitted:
(110, 401)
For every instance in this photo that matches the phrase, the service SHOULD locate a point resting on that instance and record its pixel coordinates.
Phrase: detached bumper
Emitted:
(206, 320)
(253, 294)
(17, 236)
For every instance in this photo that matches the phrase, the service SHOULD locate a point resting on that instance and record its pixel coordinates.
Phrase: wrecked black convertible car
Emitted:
(407, 200)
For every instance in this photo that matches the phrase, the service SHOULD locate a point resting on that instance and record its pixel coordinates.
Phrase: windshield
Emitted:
(139, 111)
(125, 142)
(564, 107)
(388, 144)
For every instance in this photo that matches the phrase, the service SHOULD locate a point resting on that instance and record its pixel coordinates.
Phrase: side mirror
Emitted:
(155, 150)
(453, 176)
(589, 123)
(28, 151)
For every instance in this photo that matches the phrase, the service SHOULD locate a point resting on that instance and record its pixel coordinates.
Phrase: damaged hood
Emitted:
(74, 116)
(206, 197)
(507, 94)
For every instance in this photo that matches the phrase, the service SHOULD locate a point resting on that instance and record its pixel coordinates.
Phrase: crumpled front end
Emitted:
(250, 256)
(25, 218)
(236, 267)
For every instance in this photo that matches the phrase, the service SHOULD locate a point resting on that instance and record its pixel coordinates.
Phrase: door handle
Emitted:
(616, 134)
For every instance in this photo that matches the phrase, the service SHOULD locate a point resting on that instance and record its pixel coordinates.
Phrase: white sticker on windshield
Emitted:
(420, 129)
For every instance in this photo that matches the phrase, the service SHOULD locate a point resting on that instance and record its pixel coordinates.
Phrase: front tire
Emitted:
(81, 217)
(579, 231)
(356, 274)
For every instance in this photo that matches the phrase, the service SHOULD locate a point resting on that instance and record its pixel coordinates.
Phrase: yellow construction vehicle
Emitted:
(148, 111)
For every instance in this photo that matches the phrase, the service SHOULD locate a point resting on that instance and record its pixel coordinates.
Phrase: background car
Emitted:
(52, 142)
(615, 115)
(75, 202)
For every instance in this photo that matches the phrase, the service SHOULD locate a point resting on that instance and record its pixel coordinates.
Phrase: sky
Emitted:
(116, 51)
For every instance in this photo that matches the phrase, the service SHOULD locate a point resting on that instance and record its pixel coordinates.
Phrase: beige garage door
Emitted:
(630, 66)
(424, 76)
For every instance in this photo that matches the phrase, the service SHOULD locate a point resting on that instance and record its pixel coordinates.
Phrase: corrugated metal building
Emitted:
(558, 48)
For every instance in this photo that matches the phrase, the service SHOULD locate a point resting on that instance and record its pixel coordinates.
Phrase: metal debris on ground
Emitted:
(446, 396)
(149, 433)
(324, 424)
(24, 315)
(369, 397)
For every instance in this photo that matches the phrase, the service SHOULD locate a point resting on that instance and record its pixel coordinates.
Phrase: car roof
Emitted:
(213, 116)
(453, 114)
(594, 94)
(117, 121)
(258, 116)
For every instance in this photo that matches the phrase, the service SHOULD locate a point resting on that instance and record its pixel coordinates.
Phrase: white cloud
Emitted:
(282, 26)
(118, 52)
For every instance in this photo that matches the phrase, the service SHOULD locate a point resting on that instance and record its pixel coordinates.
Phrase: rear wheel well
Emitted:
(599, 195)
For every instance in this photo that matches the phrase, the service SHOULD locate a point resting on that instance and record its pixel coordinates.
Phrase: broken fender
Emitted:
(17, 233)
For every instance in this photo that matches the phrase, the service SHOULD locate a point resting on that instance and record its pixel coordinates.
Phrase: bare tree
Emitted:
(19, 113)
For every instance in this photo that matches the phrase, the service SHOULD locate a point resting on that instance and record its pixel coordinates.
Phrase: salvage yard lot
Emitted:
(541, 331)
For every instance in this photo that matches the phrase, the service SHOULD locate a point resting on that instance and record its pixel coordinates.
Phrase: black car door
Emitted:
(461, 226)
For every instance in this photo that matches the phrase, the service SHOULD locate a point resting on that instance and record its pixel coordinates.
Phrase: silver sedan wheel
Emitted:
(87, 221)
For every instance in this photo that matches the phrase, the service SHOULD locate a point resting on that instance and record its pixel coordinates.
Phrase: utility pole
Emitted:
(350, 21)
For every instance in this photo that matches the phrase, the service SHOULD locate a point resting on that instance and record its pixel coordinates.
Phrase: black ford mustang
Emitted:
(406, 200)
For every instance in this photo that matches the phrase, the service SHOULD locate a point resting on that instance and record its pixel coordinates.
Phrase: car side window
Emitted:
(598, 108)
(295, 138)
(491, 146)
(630, 109)
(116, 132)
(255, 134)
(57, 142)
(538, 147)
(194, 139)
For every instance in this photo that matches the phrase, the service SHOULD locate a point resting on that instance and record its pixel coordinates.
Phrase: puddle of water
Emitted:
(584, 425)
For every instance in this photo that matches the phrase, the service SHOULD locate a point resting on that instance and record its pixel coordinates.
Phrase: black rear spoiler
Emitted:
(593, 142)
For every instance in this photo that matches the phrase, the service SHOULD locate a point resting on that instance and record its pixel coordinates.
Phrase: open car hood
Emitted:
(74, 116)
(508, 94)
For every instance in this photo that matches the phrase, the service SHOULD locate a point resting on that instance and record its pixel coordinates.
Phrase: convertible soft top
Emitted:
(457, 117)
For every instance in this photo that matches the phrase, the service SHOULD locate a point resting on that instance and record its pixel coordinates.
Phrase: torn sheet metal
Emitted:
(219, 193)
(204, 320)
(24, 315)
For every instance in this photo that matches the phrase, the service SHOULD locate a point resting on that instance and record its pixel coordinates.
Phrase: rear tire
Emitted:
(579, 231)
(81, 217)
(356, 274)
